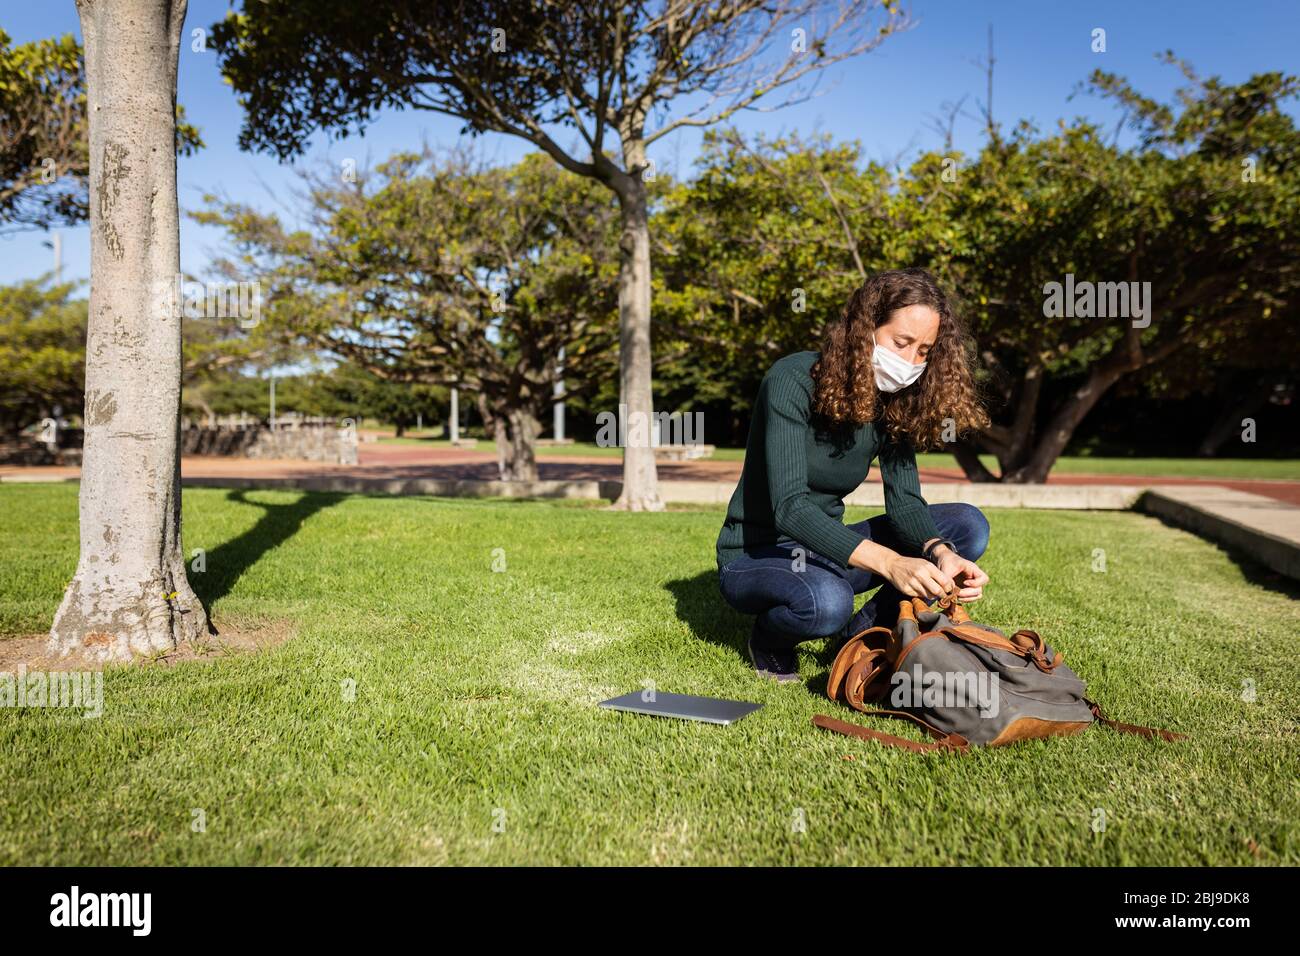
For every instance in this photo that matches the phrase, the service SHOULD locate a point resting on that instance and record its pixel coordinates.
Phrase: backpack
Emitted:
(965, 684)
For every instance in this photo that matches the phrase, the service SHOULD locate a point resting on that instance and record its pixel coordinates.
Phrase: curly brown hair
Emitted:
(945, 396)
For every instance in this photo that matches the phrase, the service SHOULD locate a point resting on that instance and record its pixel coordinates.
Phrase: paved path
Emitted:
(407, 462)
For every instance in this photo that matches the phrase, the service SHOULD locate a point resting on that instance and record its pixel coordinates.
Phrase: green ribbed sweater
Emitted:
(794, 480)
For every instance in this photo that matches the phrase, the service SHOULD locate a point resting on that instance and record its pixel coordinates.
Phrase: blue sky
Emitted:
(887, 99)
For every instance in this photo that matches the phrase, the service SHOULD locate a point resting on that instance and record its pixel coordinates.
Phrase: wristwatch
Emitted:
(929, 552)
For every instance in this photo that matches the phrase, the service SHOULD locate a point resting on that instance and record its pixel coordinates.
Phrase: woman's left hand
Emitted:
(966, 574)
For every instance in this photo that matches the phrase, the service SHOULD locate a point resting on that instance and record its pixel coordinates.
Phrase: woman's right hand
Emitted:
(917, 577)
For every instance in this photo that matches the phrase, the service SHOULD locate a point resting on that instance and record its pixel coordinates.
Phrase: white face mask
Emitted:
(893, 372)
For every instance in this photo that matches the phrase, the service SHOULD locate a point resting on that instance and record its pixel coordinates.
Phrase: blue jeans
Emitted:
(794, 604)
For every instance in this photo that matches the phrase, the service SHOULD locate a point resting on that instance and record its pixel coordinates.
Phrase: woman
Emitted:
(892, 375)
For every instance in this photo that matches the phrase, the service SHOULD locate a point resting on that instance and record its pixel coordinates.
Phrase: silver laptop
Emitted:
(712, 710)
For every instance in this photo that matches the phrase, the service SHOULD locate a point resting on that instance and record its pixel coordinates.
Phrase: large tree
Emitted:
(442, 272)
(607, 69)
(1205, 208)
(130, 594)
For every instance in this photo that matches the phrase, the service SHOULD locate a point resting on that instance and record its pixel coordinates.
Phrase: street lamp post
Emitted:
(558, 393)
(455, 416)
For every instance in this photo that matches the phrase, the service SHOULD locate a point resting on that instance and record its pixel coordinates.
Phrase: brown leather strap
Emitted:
(1035, 649)
(1148, 732)
(978, 635)
(951, 742)
(1026, 644)
(929, 728)
(947, 604)
(953, 608)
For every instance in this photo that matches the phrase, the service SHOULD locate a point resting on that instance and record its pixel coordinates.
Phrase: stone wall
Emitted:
(27, 448)
(321, 440)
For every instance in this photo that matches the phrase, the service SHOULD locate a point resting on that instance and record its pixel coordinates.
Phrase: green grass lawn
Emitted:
(1262, 468)
(474, 736)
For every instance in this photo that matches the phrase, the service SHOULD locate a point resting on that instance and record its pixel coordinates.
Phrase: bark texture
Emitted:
(515, 428)
(130, 594)
(640, 476)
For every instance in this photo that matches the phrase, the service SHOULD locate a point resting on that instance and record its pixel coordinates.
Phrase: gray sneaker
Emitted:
(778, 664)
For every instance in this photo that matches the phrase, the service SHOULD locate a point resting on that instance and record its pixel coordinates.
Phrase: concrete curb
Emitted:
(1068, 497)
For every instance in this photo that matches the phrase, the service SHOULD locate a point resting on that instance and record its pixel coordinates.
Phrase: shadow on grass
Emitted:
(710, 618)
(1252, 569)
(227, 563)
(701, 607)
(1265, 577)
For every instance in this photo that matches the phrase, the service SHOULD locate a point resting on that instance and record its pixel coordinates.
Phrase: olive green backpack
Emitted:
(965, 684)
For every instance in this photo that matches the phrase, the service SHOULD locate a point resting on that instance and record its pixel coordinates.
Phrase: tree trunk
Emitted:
(516, 437)
(1061, 428)
(129, 594)
(968, 457)
(1021, 433)
(1011, 444)
(515, 431)
(640, 477)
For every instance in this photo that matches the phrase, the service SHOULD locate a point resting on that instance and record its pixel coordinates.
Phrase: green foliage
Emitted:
(1181, 211)
(343, 391)
(348, 391)
(520, 68)
(1206, 209)
(333, 64)
(42, 352)
(756, 253)
(44, 150)
(44, 160)
(442, 273)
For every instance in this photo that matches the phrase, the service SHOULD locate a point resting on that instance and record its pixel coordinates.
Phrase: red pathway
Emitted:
(411, 461)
